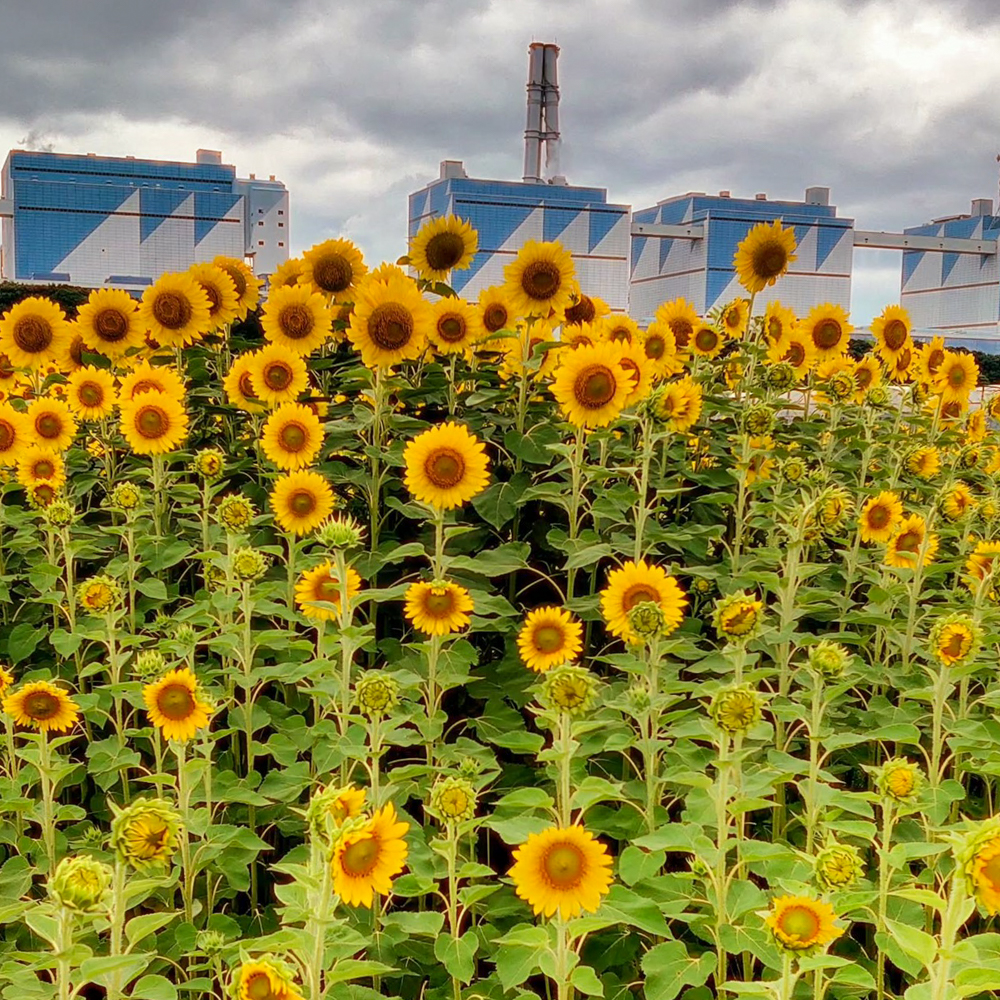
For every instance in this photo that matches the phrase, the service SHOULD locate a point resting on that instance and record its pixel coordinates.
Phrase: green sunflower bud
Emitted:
(80, 883)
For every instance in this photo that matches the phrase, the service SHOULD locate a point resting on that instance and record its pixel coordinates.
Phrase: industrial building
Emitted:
(108, 221)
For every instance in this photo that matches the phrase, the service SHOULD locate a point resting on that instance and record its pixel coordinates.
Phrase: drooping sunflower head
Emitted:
(955, 638)
(455, 325)
(175, 311)
(292, 437)
(736, 708)
(677, 404)
(100, 595)
(42, 706)
(899, 779)
(238, 384)
(981, 566)
(549, 637)
(146, 833)
(834, 507)
(248, 564)
(880, 516)
(911, 544)
(977, 856)
(443, 245)
(446, 466)
(802, 925)
(297, 319)
(108, 323)
(90, 392)
(390, 323)
(569, 689)
(634, 363)
(738, 617)
(828, 329)
(867, 375)
(734, 318)
(591, 386)
(585, 309)
(891, 330)
(333, 806)
(218, 285)
(247, 284)
(319, 587)
(929, 359)
(236, 512)
(540, 280)
(957, 501)
(439, 607)
(828, 659)
(975, 427)
(633, 584)
(763, 255)
(176, 705)
(33, 332)
(367, 858)
(924, 462)
(6, 680)
(779, 323)
(756, 464)
(153, 423)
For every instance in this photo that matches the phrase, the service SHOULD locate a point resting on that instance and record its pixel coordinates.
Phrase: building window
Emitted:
(260, 211)
(261, 223)
(280, 244)
(280, 212)
(281, 225)
(260, 243)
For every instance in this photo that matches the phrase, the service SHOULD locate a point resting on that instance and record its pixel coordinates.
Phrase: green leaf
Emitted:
(508, 558)
(154, 988)
(669, 968)
(498, 504)
(458, 957)
(156, 590)
(585, 980)
(121, 968)
(428, 922)
(915, 943)
(139, 927)
(22, 641)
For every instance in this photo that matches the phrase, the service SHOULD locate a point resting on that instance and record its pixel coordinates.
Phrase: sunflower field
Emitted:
(366, 642)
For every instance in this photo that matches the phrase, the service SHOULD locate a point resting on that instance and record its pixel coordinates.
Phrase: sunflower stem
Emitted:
(158, 495)
(815, 725)
(116, 921)
(642, 506)
(184, 808)
(290, 564)
(576, 496)
(64, 944)
(721, 853)
(48, 799)
(884, 875)
(451, 844)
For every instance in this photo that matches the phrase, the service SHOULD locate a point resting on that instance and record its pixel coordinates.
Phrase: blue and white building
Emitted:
(697, 262)
(122, 222)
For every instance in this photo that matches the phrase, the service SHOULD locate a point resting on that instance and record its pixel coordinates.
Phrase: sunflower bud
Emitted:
(955, 639)
(236, 513)
(210, 942)
(738, 616)
(647, 620)
(376, 693)
(779, 377)
(838, 866)
(758, 419)
(341, 532)
(638, 699)
(569, 688)
(736, 709)
(248, 564)
(80, 883)
(834, 507)
(453, 799)
(970, 457)
(148, 665)
(41, 495)
(829, 659)
(899, 780)
(146, 833)
(332, 806)
(793, 470)
(99, 595)
(59, 513)
(125, 496)
(702, 585)
(184, 635)
(840, 386)
(209, 463)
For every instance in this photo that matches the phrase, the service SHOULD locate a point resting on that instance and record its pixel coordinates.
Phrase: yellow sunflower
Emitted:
(287, 273)
(800, 924)
(153, 423)
(929, 358)
(333, 268)
(11, 381)
(956, 377)
(682, 319)
(390, 323)
(734, 318)
(496, 310)
(660, 346)
(540, 279)
(443, 245)
(562, 869)
(238, 384)
(322, 585)
(292, 437)
(880, 516)
(38, 466)
(957, 502)
(585, 309)
(548, 638)
(278, 375)
(91, 393)
(346, 803)
(678, 404)
(867, 373)
(439, 607)
(218, 285)
(954, 640)
(455, 326)
(981, 564)
(366, 859)
(779, 322)
(924, 462)
(297, 319)
(591, 386)
(42, 706)
(145, 377)
(634, 584)
(828, 328)
(301, 501)
(247, 284)
(911, 539)
(635, 363)
(15, 434)
(108, 322)
(763, 255)
(618, 329)
(446, 466)
(174, 705)
(797, 350)
(175, 310)
(33, 332)
(975, 427)
(528, 345)
(903, 366)
(51, 423)
(891, 330)
(263, 980)
(707, 341)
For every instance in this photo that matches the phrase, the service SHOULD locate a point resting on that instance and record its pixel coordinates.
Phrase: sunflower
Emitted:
(51, 424)
(924, 462)
(15, 434)
(297, 318)
(738, 616)
(828, 328)
(678, 404)
(278, 375)
(891, 330)
(446, 466)
(495, 308)
(174, 707)
(618, 329)
(264, 979)
(218, 285)
(439, 607)
(540, 280)
(975, 427)
(980, 565)
(585, 309)
(333, 268)
(642, 370)
(956, 377)
(108, 322)
(33, 332)
(564, 869)
(707, 341)
(145, 377)
(321, 585)
(344, 803)
(797, 350)
(763, 255)
(591, 386)
(548, 638)
(443, 245)
(760, 463)
(366, 858)
(660, 346)
(954, 639)
(238, 384)
(390, 323)
(6, 681)
(532, 349)
(175, 310)
(880, 516)
(91, 393)
(801, 924)
(682, 319)
(633, 584)
(957, 502)
(292, 437)
(287, 273)
(902, 368)
(38, 466)
(867, 373)
(146, 833)
(455, 326)
(42, 706)
(153, 423)
(911, 539)
(301, 501)
(929, 359)
(247, 284)
(779, 322)
(734, 318)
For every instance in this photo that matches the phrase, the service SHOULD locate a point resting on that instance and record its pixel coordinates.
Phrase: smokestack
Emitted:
(543, 112)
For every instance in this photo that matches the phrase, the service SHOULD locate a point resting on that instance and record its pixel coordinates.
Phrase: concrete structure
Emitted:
(107, 221)
(684, 247)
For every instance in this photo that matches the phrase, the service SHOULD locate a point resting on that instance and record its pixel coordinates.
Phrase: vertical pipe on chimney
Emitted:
(533, 128)
(550, 111)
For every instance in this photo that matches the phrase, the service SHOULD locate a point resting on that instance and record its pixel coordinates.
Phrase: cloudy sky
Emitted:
(891, 103)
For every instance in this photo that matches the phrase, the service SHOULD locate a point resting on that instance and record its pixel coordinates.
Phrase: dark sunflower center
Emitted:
(594, 386)
(894, 334)
(494, 317)
(774, 328)
(328, 589)
(548, 638)
(390, 326)
(111, 325)
(733, 318)
(32, 334)
(863, 377)
(706, 339)
(563, 864)
(798, 922)
(541, 280)
(444, 251)
(445, 468)
(903, 361)
(48, 425)
(176, 702)
(7, 435)
(258, 987)
(152, 422)
(44, 469)
(155, 836)
(582, 311)
(333, 273)
(296, 321)
(957, 377)
(622, 334)
(909, 541)
(439, 605)
(952, 410)
(146, 385)
(278, 376)
(827, 334)
(44, 494)
(214, 298)
(293, 437)
(796, 354)
(90, 394)
(682, 330)
(769, 260)
(239, 278)
(934, 359)
(741, 619)
(40, 705)
(954, 645)
(631, 369)
(359, 858)
(172, 310)
(637, 595)
(451, 328)
(302, 503)
(6, 368)
(655, 346)
(246, 385)
(878, 517)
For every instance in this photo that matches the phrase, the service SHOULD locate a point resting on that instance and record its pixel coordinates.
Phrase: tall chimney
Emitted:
(543, 112)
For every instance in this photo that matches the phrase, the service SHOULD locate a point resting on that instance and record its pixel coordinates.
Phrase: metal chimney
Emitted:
(543, 112)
